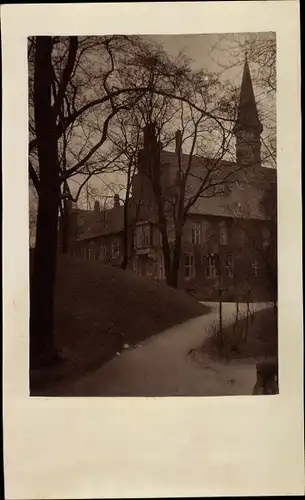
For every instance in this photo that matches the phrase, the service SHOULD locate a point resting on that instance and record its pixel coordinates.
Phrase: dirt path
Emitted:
(164, 365)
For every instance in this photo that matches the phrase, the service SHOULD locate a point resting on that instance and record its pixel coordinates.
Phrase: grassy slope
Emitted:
(261, 340)
(100, 308)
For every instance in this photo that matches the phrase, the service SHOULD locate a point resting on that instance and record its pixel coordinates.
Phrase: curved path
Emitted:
(164, 365)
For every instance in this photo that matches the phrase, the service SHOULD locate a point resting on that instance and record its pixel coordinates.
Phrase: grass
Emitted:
(99, 309)
(261, 341)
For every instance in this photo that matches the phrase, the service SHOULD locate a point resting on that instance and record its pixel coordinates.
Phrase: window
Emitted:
(211, 267)
(137, 237)
(115, 249)
(83, 251)
(91, 251)
(196, 233)
(142, 236)
(241, 237)
(255, 269)
(103, 252)
(161, 268)
(223, 233)
(135, 265)
(230, 268)
(135, 240)
(239, 185)
(226, 190)
(146, 235)
(189, 266)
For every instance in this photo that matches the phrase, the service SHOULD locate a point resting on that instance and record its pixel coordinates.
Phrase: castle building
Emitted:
(228, 239)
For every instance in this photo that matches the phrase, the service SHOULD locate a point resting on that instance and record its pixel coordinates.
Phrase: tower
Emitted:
(248, 127)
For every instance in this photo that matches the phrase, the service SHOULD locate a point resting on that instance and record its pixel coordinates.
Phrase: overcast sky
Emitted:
(210, 52)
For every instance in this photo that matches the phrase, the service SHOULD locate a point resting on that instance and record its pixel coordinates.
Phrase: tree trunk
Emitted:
(247, 323)
(220, 322)
(125, 235)
(175, 264)
(42, 349)
(65, 229)
(165, 245)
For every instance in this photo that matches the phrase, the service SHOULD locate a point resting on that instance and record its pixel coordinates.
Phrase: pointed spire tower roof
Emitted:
(247, 116)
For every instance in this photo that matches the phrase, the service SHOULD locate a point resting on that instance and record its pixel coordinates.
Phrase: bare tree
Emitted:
(126, 138)
(69, 77)
(198, 175)
(44, 268)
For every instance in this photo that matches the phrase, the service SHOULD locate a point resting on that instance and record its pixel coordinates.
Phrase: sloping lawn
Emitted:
(99, 309)
(261, 340)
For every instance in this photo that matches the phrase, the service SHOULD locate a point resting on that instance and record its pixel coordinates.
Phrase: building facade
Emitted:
(228, 241)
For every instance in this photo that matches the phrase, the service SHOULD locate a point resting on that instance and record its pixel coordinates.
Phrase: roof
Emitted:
(100, 223)
(242, 199)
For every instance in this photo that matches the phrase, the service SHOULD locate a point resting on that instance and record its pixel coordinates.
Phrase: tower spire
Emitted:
(247, 116)
(248, 126)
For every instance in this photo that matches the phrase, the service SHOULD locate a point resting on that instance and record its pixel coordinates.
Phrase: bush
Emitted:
(260, 341)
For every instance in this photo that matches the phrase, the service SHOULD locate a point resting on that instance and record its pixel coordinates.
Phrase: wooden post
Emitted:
(220, 298)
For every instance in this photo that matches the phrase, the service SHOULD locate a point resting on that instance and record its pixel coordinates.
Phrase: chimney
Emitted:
(178, 138)
(116, 200)
(149, 136)
(97, 206)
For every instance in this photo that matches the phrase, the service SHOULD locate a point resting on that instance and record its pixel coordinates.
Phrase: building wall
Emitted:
(107, 249)
(241, 247)
(217, 253)
(244, 259)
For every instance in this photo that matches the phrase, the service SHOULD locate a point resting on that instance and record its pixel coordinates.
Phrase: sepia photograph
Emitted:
(152, 250)
(153, 215)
